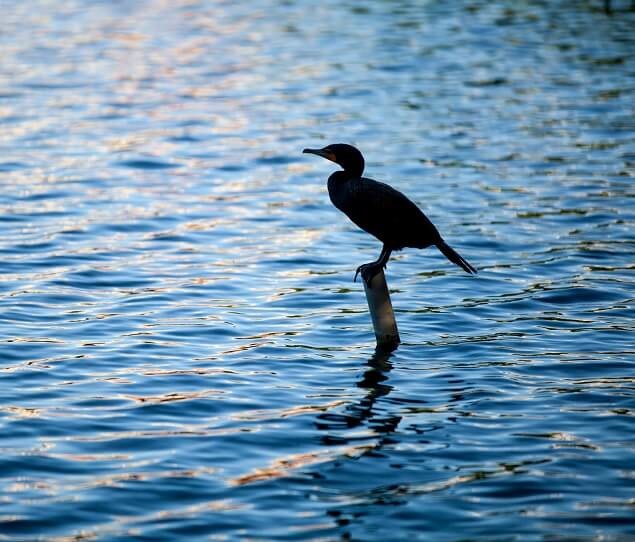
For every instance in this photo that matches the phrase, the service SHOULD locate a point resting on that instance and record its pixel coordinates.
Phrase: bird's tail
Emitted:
(454, 256)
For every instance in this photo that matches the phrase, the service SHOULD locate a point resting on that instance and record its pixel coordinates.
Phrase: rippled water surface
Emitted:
(184, 354)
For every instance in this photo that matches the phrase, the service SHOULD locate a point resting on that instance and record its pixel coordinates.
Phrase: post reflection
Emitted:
(369, 412)
(363, 412)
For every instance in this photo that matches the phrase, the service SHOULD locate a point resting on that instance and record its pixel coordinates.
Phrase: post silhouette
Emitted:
(381, 312)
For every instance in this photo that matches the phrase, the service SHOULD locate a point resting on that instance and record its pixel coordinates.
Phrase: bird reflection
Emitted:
(364, 410)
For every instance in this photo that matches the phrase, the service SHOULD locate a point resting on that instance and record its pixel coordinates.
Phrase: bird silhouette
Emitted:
(380, 210)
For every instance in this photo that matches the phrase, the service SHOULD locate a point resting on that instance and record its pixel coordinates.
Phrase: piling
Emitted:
(381, 312)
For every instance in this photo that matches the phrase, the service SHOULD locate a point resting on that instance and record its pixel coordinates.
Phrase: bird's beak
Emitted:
(321, 152)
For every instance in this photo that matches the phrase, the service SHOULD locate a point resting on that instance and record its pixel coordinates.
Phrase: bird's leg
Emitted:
(369, 270)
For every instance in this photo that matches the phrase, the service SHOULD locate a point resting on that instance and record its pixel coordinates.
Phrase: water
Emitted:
(184, 355)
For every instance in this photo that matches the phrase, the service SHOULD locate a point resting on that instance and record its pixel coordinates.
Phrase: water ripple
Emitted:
(184, 354)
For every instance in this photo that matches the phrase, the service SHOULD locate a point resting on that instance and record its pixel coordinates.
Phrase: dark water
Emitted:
(183, 353)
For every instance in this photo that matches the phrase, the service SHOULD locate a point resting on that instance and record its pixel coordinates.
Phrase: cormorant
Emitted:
(380, 210)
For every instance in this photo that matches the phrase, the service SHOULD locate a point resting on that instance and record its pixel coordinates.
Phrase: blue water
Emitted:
(184, 355)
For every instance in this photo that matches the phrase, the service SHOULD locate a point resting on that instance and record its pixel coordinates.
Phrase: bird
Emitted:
(380, 210)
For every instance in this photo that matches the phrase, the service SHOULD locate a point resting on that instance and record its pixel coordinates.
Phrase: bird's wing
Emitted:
(389, 215)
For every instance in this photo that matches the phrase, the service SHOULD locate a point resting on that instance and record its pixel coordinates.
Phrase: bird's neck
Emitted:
(344, 176)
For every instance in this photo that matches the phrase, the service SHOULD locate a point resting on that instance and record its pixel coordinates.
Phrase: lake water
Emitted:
(184, 354)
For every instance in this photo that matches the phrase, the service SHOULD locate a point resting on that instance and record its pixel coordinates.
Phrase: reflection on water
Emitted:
(184, 354)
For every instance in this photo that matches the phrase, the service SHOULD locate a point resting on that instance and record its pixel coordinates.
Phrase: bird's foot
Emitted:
(368, 271)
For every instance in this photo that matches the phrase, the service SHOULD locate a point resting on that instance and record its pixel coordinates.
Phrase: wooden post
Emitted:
(381, 312)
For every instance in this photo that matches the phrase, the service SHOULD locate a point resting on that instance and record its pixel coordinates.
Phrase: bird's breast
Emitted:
(341, 192)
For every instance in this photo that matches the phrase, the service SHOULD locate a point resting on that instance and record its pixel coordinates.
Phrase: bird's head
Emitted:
(345, 155)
